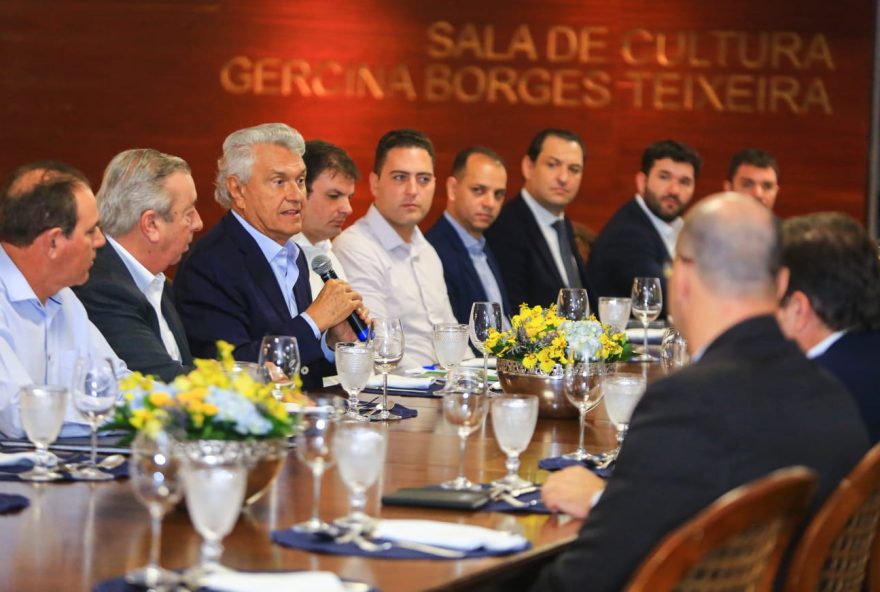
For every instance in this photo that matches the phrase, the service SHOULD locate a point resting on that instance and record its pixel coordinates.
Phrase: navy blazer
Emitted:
(462, 281)
(854, 360)
(127, 319)
(751, 405)
(628, 247)
(527, 266)
(225, 289)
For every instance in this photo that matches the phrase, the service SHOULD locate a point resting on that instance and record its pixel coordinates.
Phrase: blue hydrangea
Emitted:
(233, 407)
(584, 339)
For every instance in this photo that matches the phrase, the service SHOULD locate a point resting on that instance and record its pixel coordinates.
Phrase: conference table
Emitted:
(75, 535)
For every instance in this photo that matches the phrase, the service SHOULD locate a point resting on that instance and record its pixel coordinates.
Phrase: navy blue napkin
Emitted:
(11, 502)
(536, 506)
(120, 585)
(397, 409)
(431, 392)
(322, 544)
(556, 463)
(11, 472)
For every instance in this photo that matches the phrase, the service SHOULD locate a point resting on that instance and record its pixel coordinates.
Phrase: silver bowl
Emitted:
(550, 389)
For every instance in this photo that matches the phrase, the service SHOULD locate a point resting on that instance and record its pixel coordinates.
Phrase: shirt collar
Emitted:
(142, 276)
(270, 248)
(541, 214)
(17, 287)
(823, 346)
(473, 245)
(302, 240)
(388, 237)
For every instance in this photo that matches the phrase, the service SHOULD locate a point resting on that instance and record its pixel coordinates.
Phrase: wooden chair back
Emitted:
(736, 544)
(840, 545)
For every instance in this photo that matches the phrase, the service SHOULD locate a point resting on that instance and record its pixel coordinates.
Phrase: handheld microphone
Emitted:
(322, 265)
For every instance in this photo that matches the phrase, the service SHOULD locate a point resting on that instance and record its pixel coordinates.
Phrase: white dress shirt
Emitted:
(668, 231)
(545, 222)
(397, 279)
(151, 286)
(40, 343)
(324, 247)
(821, 347)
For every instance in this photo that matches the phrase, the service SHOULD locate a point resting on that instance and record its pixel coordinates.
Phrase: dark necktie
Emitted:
(302, 291)
(568, 260)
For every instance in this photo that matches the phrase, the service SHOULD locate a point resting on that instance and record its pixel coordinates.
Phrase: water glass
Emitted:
(279, 360)
(484, 316)
(317, 425)
(465, 404)
(450, 344)
(42, 413)
(622, 392)
(354, 365)
(583, 390)
(155, 473)
(614, 311)
(647, 302)
(215, 476)
(673, 348)
(360, 454)
(513, 421)
(386, 335)
(94, 395)
(573, 304)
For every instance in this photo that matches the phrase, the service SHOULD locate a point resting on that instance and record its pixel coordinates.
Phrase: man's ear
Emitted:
(235, 189)
(527, 167)
(50, 242)
(149, 226)
(727, 185)
(641, 181)
(782, 282)
(374, 183)
(451, 185)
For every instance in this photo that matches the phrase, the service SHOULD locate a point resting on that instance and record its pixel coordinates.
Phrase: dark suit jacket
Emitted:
(854, 360)
(462, 281)
(225, 289)
(527, 265)
(628, 247)
(127, 319)
(751, 405)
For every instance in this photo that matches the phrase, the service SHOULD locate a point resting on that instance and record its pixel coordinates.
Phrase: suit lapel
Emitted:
(121, 274)
(176, 326)
(467, 266)
(537, 239)
(302, 291)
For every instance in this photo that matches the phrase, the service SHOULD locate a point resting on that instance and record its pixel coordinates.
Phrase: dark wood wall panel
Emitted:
(83, 80)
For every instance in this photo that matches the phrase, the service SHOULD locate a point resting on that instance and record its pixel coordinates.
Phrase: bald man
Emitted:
(714, 425)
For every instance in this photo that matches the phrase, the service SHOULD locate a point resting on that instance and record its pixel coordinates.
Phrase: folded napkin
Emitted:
(533, 502)
(478, 362)
(462, 537)
(236, 581)
(637, 335)
(11, 472)
(11, 502)
(396, 409)
(29, 458)
(396, 381)
(556, 463)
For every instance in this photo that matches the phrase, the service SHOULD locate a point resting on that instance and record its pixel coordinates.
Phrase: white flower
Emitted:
(584, 339)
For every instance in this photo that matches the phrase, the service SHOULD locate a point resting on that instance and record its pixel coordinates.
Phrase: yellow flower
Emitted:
(224, 353)
(160, 399)
(530, 361)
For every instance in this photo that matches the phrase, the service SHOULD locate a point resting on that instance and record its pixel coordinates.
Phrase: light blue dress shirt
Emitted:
(476, 248)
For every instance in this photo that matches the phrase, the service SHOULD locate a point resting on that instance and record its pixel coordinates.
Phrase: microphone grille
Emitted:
(321, 264)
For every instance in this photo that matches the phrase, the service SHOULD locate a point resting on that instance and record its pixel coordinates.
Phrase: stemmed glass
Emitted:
(360, 453)
(673, 348)
(94, 396)
(279, 360)
(583, 391)
(614, 311)
(622, 391)
(572, 304)
(647, 302)
(42, 413)
(465, 404)
(386, 336)
(155, 471)
(450, 344)
(313, 449)
(484, 316)
(354, 364)
(215, 477)
(513, 421)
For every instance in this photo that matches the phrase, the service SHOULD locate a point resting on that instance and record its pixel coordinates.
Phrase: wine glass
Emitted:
(572, 304)
(94, 395)
(214, 475)
(465, 404)
(360, 453)
(622, 391)
(513, 421)
(484, 316)
(673, 348)
(279, 360)
(386, 336)
(647, 302)
(354, 364)
(583, 391)
(318, 424)
(614, 311)
(450, 344)
(155, 472)
(42, 413)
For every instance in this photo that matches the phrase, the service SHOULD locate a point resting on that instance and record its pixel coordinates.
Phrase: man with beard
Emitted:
(639, 240)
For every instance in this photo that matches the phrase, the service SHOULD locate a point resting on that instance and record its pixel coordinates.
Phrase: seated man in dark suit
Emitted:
(639, 239)
(532, 238)
(246, 278)
(147, 204)
(474, 194)
(831, 306)
(750, 404)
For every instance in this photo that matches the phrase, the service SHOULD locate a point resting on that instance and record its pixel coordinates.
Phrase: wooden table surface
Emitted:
(74, 535)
